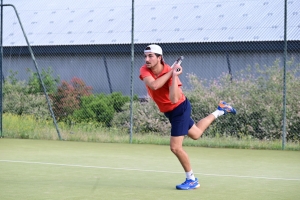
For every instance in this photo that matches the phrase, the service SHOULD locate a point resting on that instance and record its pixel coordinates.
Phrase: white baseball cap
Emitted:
(153, 48)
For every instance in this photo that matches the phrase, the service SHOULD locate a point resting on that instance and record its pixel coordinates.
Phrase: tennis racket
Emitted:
(178, 61)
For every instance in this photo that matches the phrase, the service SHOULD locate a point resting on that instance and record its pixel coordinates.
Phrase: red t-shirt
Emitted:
(161, 95)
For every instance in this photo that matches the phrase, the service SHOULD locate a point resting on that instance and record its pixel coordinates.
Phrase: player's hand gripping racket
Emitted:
(178, 61)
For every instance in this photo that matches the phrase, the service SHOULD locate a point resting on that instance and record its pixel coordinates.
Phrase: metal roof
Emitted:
(74, 22)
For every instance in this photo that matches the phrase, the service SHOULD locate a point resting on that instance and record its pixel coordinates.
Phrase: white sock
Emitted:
(190, 175)
(218, 113)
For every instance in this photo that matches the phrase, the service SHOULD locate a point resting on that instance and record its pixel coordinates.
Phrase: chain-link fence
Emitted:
(233, 51)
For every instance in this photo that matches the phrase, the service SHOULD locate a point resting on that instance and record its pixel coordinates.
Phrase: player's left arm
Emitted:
(174, 89)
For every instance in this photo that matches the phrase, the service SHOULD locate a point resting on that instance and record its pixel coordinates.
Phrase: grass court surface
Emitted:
(55, 170)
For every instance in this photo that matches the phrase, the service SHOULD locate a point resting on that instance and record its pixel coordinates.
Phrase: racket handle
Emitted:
(178, 61)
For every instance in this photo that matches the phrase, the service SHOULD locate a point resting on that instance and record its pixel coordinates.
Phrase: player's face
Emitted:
(151, 60)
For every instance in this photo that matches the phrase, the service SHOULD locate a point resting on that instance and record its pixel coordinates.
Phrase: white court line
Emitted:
(145, 170)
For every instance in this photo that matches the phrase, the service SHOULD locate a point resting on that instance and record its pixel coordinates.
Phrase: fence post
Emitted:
(1, 59)
(132, 66)
(284, 78)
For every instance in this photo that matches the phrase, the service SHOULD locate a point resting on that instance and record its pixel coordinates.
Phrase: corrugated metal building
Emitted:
(91, 40)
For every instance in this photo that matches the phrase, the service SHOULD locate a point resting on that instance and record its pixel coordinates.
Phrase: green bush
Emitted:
(18, 100)
(99, 108)
(118, 100)
(49, 81)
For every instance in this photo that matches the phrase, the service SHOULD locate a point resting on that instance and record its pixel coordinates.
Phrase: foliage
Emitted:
(12, 77)
(49, 81)
(94, 108)
(257, 95)
(17, 99)
(146, 118)
(118, 100)
(100, 108)
(67, 97)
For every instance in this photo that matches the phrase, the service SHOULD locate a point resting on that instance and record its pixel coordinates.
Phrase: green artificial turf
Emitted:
(40, 169)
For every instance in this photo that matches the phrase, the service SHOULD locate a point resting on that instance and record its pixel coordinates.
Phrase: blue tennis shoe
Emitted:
(188, 184)
(226, 108)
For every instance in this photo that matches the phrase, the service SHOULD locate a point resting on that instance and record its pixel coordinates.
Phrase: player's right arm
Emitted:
(155, 84)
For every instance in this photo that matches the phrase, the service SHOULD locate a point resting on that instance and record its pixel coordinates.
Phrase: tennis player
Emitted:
(164, 87)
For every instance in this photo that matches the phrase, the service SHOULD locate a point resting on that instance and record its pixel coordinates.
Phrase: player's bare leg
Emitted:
(197, 130)
(176, 148)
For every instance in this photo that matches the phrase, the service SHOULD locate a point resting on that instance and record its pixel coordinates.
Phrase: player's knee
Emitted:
(195, 134)
(175, 150)
(194, 137)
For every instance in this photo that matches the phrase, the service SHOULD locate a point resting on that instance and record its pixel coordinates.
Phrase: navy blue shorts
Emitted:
(180, 119)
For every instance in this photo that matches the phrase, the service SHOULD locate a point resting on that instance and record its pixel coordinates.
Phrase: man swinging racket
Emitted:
(164, 87)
